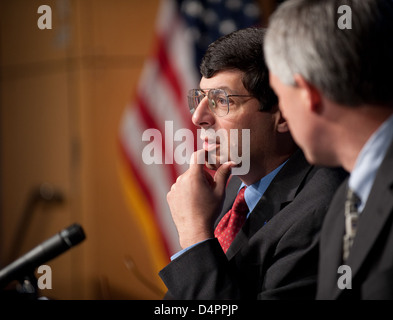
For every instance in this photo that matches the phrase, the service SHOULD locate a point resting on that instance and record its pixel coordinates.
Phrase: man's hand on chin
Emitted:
(195, 199)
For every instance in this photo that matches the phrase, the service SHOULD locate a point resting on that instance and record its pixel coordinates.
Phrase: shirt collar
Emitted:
(255, 191)
(369, 160)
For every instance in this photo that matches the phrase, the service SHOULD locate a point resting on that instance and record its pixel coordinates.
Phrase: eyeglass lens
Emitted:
(217, 99)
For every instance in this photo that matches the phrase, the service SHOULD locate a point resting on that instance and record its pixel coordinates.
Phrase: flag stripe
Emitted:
(137, 201)
(150, 204)
(160, 103)
(167, 70)
(156, 181)
(150, 123)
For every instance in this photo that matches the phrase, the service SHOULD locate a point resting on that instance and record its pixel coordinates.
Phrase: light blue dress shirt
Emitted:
(254, 192)
(369, 160)
(252, 196)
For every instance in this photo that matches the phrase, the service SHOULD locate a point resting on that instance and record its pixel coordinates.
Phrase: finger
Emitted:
(222, 175)
(197, 160)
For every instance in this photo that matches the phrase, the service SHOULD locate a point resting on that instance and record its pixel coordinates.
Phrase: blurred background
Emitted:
(79, 85)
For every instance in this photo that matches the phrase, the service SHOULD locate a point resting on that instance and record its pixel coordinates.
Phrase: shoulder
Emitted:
(302, 216)
(319, 187)
(298, 170)
(313, 198)
(325, 178)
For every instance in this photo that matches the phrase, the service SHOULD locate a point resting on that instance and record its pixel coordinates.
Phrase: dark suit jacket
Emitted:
(371, 256)
(275, 254)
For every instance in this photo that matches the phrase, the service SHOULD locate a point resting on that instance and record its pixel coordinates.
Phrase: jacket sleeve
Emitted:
(201, 273)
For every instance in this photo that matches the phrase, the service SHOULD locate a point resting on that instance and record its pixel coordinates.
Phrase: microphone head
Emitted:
(45, 251)
(73, 235)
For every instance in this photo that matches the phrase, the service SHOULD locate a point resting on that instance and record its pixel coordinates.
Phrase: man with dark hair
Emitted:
(264, 243)
(334, 85)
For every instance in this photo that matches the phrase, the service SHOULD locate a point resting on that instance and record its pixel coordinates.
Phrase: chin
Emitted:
(320, 159)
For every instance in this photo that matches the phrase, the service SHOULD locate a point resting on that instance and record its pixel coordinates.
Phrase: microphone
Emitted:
(47, 250)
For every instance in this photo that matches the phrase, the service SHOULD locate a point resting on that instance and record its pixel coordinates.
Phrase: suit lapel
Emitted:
(280, 193)
(331, 247)
(282, 190)
(378, 209)
(372, 220)
(230, 195)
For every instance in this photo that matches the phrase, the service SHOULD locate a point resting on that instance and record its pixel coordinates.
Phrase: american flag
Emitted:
(184, 29)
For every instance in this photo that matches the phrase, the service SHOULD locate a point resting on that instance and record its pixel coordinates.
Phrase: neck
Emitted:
(356, 126)
(265, 166)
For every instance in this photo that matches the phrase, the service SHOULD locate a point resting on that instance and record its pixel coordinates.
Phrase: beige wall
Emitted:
(62, 95)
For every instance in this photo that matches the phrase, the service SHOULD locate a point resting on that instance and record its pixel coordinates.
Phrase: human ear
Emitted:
(282, 124)
(310, 95)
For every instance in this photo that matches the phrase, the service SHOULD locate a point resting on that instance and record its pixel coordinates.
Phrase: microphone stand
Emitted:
(44, 193)
(23, 268)
(26, 288)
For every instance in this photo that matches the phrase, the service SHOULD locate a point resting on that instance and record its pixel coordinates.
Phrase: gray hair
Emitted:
(350, 66)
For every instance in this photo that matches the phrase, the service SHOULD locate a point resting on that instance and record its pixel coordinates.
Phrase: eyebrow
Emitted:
(227, 89)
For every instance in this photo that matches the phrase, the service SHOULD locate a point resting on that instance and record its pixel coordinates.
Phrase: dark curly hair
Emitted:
(242, 50)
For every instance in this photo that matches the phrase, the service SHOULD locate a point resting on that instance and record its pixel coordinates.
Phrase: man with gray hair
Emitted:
(333, 80)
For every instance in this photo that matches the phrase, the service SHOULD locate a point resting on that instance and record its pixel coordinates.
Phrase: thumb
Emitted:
(222, 175)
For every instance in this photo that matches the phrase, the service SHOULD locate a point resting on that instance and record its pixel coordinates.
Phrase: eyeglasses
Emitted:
(218, 99)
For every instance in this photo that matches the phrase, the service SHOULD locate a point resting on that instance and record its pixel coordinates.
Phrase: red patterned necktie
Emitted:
(232, 222)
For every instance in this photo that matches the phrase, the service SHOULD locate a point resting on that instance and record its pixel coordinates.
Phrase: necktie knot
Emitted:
(232, 222)
(352, 201)
(240, 205)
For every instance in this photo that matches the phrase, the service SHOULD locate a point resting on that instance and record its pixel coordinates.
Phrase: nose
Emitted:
(203, 117)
